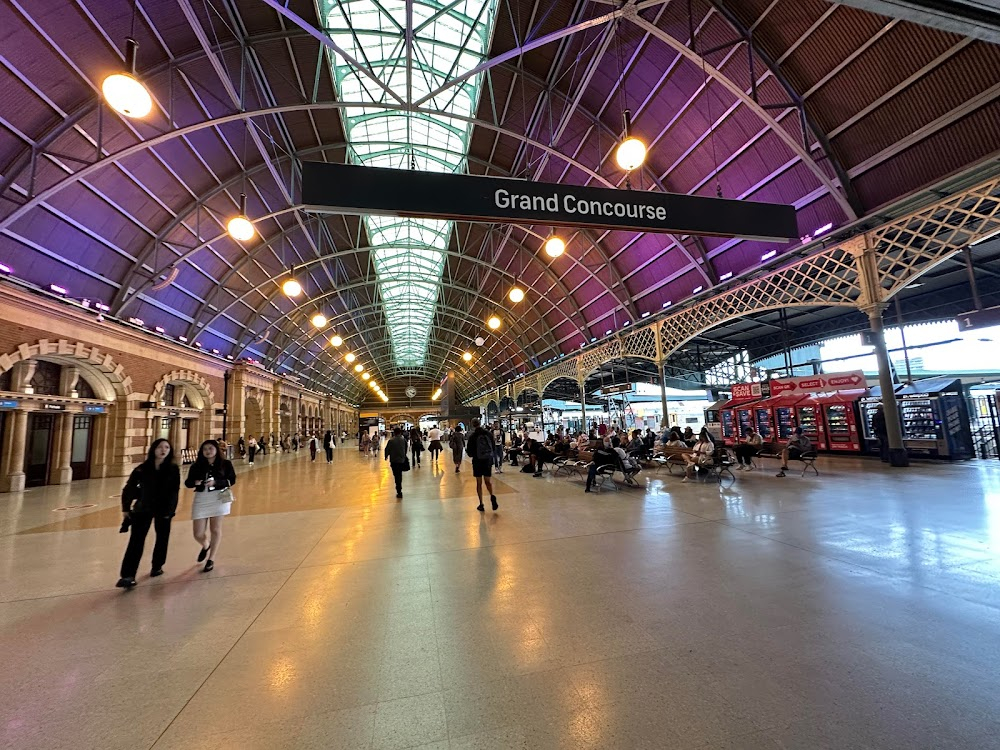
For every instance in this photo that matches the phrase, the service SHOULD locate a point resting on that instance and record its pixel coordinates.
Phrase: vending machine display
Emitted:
(840, 428)
(920, 421)
(763, 415)
(784, 416)
(744, 420)
(728, 426)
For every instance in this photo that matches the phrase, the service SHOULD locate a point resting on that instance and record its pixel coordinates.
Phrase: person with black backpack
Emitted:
(481, 449)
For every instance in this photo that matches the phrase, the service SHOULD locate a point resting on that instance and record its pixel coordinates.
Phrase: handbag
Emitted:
(406, 464)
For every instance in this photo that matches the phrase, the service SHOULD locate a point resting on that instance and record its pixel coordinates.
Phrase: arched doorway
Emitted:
(66, 417)
(254, 421)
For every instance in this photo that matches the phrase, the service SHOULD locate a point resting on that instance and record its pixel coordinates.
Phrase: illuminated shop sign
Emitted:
(9, 403)
(352, 189)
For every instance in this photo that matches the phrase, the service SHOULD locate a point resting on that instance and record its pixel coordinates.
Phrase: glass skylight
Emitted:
(449, 39)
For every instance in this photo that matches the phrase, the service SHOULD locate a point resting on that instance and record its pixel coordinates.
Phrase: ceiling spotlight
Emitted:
(123, 92)
(291, 288)
(240, 227)
(336, 340)
(359, 367)
(494, 322)
(516, 294)
(350, 357)
(319, 320)
(631, 152)
(365, 376)
(554, 246)
(467, 356)
(480, 341)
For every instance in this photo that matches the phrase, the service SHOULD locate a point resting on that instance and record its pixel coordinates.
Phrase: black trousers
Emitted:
(744, 453)
(415, 450)
(329, 454)
(137, 540)
(397, 474)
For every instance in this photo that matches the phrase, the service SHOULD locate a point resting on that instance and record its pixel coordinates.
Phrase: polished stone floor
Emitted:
(860, 609)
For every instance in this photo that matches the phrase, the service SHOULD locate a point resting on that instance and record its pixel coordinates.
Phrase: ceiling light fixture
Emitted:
(359, 367)
(350, 357)
(494, 322)
(467, 356)
(124, 92)
(240, 227)
(291, 287)
(437, 395)
(318, 320)
(516, 294)
(631, 152)
(365, 376)
(336, 340)
(480, 341)
(554, 246)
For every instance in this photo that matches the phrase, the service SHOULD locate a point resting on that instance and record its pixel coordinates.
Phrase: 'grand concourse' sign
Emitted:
(349, 189)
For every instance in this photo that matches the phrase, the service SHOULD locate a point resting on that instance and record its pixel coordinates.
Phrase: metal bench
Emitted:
(808, 458)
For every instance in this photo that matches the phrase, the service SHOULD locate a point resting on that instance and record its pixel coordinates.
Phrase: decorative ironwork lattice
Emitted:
(640, 343)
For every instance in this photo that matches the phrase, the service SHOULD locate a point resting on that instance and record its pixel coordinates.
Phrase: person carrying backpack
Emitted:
(480, 450)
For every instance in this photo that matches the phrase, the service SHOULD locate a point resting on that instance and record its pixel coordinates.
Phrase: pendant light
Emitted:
(516, 294)
(631, 152)
(318, 320)
(554, 245)
(494, 322)
(291, 287)
(467, 356)
(124, 92)
(240, 227)
(336, 340)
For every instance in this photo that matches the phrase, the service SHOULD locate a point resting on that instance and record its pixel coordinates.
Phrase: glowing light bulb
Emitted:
(555, 246)
(494, 322)
(291, 288)
(467, 357)
(631, 154)
(319, 320)
(240, 228)
(359, 367)
(365, 375)
(123, 92)
(350, 357)
(336, 341)
(516, 294)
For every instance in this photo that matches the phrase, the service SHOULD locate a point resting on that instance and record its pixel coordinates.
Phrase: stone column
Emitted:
(13, 479)
(897, 453)
(62, 472)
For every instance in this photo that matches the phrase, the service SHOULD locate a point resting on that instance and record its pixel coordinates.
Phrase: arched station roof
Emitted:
(834, 108)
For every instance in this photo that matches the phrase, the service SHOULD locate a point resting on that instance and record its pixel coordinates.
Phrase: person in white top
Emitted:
(701, 455)
(434, 437)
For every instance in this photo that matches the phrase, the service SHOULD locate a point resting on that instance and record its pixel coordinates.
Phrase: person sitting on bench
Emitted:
(747, 449)
(703, 454)
(798, 445)
(540, 455)
(602, 455)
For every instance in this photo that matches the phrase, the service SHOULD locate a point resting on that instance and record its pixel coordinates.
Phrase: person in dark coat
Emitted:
(149, 498)
(416, 445)
(881, 431)
(328, 446)
(395, 454)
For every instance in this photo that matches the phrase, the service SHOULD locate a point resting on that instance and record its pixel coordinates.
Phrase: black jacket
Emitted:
(154, 491)
(222, 470)
(602, 456)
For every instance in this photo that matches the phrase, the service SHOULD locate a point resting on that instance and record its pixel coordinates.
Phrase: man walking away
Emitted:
(881, 431)
(395, 454)
(328, 446)
(480, 450)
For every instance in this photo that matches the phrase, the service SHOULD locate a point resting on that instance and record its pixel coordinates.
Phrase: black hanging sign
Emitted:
(351, 189)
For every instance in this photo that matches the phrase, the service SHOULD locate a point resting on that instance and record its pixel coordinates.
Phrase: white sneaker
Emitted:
(684, 479)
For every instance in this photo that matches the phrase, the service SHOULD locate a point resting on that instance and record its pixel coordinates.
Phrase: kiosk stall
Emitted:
(841, 416)
(810, 418)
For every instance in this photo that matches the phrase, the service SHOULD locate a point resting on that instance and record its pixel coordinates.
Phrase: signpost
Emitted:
(979, 319)
(352, 189)
(612, 390)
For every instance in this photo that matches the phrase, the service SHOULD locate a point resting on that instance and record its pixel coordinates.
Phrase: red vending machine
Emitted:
(782, 416)
(745, 418)
(810, 418)
(841, 417)
(764, 421)
(727, 415)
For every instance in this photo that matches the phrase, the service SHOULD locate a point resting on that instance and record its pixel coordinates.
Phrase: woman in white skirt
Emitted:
(212, 477)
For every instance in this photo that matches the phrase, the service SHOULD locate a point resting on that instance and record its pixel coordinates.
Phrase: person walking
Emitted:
(457, 444)
(434, 439)
(395, 454)
(149, 498)
(251, 448)
(328, 446)
(480, 450)
(242, 446)
(881, 431)
(312, 447)
(416, 445)
(212, 477)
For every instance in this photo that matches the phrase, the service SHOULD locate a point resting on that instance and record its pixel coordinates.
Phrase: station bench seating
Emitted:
(773, 450)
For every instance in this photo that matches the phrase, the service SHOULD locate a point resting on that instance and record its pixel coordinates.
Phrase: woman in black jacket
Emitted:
(211, 476)
(149, 498)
